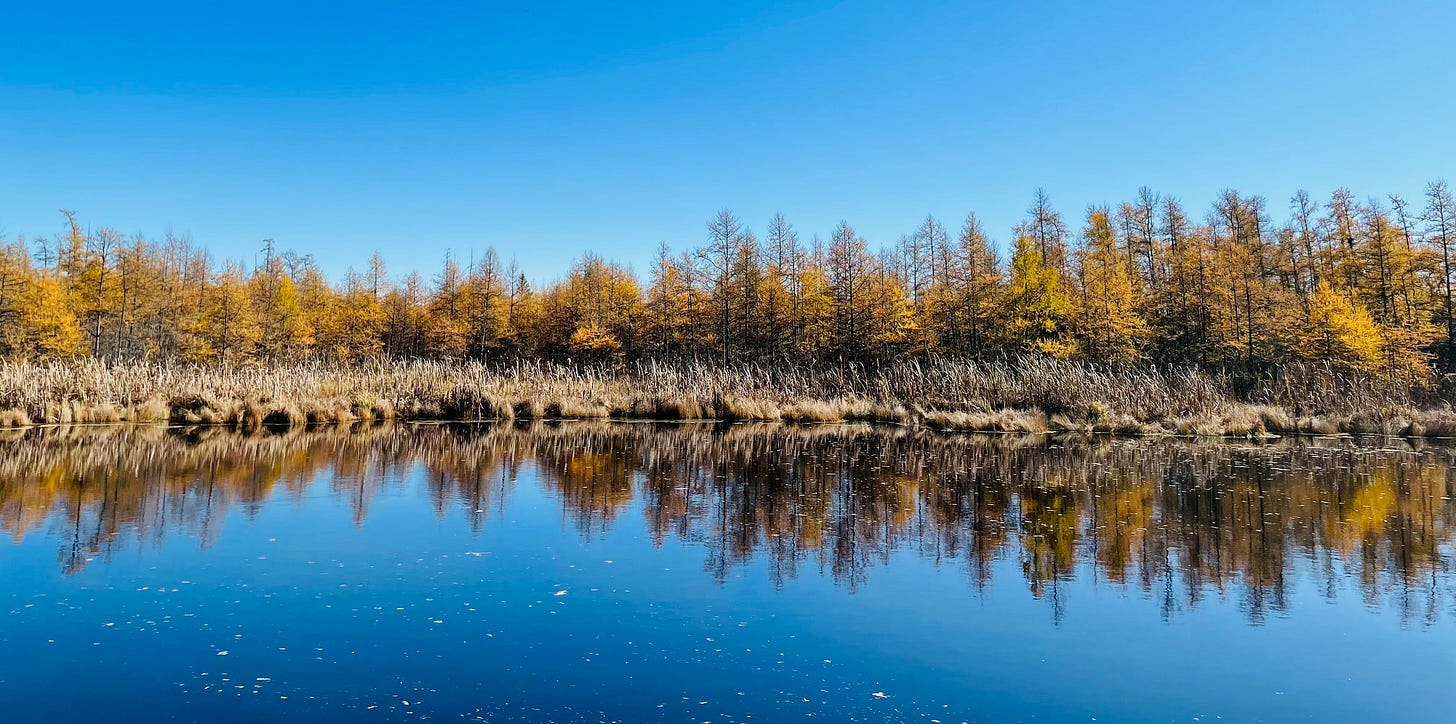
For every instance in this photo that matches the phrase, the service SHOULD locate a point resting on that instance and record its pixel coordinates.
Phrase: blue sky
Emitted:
(547, 130)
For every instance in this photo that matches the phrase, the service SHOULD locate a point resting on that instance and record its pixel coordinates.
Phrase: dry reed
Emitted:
(1030, 395)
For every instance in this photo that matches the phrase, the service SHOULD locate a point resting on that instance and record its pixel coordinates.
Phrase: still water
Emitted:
(585, 572)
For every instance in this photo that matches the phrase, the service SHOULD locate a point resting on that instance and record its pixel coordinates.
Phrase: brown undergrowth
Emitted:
(1031, 395)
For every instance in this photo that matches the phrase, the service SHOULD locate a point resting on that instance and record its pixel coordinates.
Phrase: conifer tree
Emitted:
(230, 324)
(978, 286)
(51, 329)
(16, 278)
(667, 309)
(1109, 321)
(1036, 305)
(1440, 218)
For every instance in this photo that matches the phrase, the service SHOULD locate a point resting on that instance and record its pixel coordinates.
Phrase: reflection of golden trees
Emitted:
(591, 469)
(1174, 520)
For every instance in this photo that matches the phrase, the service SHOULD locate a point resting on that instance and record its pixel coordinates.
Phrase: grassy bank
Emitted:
(1028, 395)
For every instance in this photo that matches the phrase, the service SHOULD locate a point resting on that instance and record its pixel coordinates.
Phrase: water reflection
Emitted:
(1175, 521)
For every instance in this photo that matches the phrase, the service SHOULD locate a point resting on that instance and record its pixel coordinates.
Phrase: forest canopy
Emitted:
(1366, 287)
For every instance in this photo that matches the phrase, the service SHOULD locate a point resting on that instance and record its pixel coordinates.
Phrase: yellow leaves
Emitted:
(816, 308)
(285, 329)
(1036, 305)
(1341, 332)
(357, 321)
(604, 296)
(230, 323)
(1110, 317)
(594, 342)
(889, 316)
(51, 326)
(1058, 348)
(445, 332)
(1235, 294)
(293, 328)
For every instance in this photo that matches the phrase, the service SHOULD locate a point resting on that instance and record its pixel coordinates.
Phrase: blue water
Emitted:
(638, 572)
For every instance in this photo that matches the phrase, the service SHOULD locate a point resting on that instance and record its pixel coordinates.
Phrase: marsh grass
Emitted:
(1030, 395)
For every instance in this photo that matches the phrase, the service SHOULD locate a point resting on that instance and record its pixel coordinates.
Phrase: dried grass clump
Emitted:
(737, 408)
(667, 408)
(529, 410)
(1318, 426)
(14, 418)
(1433, 423)
(1017, 421)
(578, 409)
(811, 411)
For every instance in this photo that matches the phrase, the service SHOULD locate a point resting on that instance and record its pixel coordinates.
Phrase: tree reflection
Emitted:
(1174, 521)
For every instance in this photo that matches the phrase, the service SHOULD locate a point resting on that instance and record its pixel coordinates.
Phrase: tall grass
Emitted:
(1022, 395)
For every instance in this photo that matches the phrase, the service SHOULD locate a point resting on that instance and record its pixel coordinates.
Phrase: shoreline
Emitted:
(360, 425)
(1029, 396)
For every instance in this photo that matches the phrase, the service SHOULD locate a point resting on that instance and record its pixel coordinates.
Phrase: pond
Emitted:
(597, 571)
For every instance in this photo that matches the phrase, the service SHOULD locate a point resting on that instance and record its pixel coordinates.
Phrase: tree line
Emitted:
(1366, 286)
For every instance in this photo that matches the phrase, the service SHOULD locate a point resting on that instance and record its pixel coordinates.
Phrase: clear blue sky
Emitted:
(549, 130)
